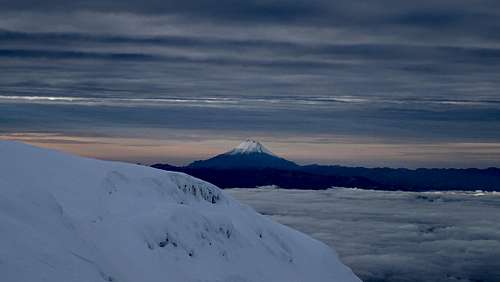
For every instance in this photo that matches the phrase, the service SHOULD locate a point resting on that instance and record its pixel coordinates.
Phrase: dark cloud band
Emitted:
(411, 72)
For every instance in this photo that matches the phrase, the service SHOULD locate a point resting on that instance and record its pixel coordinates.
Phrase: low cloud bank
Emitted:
(395, 236)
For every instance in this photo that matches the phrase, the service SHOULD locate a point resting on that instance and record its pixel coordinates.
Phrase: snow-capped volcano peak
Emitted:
(250, 146)
(249, 154)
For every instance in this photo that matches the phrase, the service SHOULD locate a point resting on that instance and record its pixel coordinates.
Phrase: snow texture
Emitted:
(67, 218)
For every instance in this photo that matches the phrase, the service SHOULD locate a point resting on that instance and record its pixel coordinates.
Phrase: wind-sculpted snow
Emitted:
(66, 218)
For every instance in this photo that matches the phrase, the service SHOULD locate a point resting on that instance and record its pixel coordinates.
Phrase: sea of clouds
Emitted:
(395, 236)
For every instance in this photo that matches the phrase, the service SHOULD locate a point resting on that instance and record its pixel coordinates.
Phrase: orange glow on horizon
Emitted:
(302, 151)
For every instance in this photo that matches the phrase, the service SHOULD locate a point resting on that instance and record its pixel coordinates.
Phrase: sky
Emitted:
(351, 82)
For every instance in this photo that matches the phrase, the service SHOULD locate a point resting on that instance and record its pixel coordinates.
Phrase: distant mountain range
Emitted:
(251, 165)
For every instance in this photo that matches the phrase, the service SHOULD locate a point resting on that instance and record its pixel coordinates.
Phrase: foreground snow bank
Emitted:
(66, 218)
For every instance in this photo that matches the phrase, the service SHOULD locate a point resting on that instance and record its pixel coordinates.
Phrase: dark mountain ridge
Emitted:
(250, 160)
(252, 165)
(421, 179)
(255, 177)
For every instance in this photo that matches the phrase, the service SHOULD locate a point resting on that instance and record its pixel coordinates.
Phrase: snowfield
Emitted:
(67, 218)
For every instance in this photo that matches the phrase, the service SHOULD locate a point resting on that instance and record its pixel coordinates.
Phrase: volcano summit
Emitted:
(249, 154)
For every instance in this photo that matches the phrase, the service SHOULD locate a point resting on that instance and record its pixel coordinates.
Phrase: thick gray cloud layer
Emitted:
(387, 70)
(395, 236)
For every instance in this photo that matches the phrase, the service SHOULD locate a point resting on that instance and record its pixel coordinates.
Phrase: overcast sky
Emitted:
(375, 83)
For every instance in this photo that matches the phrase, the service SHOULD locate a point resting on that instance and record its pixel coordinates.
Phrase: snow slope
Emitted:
(67, 218)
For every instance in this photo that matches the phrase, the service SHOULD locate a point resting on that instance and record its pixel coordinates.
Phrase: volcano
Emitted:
(248, 154)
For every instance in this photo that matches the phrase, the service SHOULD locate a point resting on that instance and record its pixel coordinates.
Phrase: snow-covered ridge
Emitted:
(250, 146)
(66, 218)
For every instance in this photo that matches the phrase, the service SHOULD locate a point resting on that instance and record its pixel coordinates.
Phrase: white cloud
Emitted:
(395, 236)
